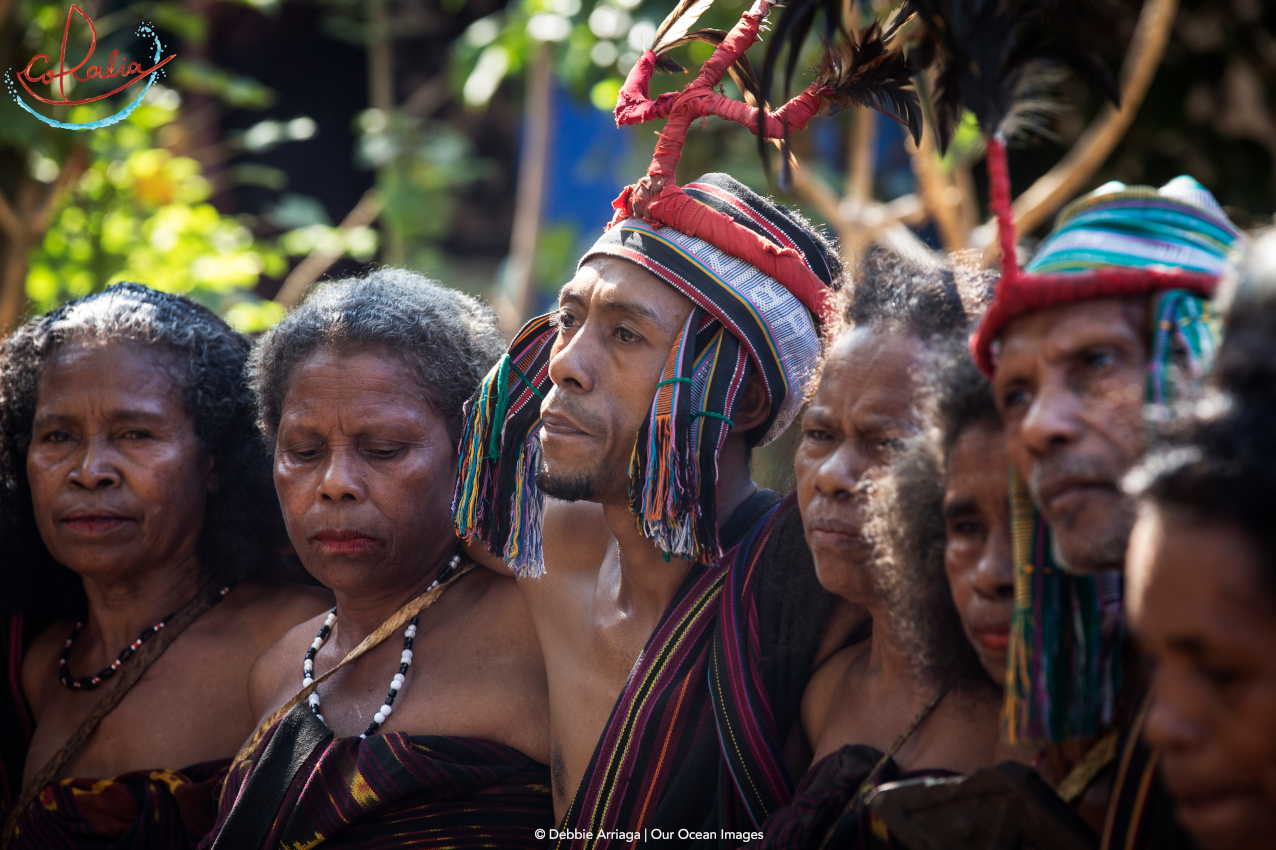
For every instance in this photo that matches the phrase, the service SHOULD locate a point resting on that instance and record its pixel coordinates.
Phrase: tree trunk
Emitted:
(529, 201)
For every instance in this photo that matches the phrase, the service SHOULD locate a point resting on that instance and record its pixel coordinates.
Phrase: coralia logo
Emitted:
(116, 67)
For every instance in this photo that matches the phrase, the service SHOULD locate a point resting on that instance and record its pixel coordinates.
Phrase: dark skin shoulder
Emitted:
(476, 672)
(190, 706)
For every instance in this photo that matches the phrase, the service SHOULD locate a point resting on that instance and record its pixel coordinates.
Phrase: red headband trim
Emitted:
(1019, 292)
(658, 200)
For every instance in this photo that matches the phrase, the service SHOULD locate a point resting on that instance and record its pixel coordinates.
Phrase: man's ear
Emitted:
(754, 405)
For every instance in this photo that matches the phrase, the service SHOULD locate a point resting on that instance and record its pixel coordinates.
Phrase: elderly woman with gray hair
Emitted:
(415, 712)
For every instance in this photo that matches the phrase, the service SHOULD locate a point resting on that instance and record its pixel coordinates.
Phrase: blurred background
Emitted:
(472, 140)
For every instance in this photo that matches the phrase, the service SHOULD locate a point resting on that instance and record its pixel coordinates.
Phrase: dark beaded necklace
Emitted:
(88, 683)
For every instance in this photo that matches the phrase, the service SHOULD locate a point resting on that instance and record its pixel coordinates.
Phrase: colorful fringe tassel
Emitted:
(673, 472)
(496, 501)
(1066, 639)
(1186, 330)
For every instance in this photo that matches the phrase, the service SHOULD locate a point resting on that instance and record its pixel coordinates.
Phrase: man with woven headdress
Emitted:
(676, 604)
(1086, 347)
(639, 401)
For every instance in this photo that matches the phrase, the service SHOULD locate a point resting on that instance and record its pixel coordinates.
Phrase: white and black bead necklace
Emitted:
(405, 660)
(88, 683)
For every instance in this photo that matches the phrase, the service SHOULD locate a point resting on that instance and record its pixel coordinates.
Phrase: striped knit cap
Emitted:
(1116, 241)
(742, 321)
(1067, 634)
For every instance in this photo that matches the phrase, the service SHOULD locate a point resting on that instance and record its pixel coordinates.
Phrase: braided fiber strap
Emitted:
(130, 673)
(393, 624)
(658, 199)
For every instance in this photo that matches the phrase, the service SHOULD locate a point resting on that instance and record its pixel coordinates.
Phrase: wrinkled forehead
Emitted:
(1062, 330)
(614, 282)
(873, 371)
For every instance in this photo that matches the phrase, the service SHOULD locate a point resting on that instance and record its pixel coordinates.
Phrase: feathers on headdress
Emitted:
(869, 67)
(870, 71)
(989, 50)
(741, 70)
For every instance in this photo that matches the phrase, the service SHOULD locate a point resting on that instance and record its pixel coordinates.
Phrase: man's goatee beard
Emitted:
(1104, 550)
(578, 488)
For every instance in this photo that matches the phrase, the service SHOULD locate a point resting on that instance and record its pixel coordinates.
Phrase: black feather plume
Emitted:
(987, 46)
(870, 71)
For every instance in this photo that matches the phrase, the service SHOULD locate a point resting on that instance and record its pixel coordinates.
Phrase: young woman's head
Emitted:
(1201, 599)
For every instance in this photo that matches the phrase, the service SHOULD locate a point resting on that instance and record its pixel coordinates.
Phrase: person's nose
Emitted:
(1175, 721)
(572, 360)
(995, 572)
(96, 468)
(1053, 419)
(838, 473)
(342, 479)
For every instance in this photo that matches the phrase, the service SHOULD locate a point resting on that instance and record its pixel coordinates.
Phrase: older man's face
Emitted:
(1070, 384)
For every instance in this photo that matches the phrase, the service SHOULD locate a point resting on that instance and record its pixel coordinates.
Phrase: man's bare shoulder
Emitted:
(574, 538)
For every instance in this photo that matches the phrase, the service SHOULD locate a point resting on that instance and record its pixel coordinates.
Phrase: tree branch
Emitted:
(76, 163)
(321, 259)
(1091, 150)
(13, 228)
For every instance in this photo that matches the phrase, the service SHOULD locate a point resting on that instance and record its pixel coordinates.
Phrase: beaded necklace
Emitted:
(88, 683)
(405, 660)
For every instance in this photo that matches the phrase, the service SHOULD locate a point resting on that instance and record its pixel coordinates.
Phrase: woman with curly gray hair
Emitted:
(422, 713)
(135, 511)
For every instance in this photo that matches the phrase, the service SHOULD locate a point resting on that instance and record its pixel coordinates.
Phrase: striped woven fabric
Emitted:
(663, 709)
(145, 810)
(395, 791)
(1117, 241)
(743, 712)
(1141, 812)
(1179, 226)
(674, 469)
(691, 741)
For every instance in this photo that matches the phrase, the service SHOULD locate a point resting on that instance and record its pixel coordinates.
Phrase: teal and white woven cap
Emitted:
(1179, 226)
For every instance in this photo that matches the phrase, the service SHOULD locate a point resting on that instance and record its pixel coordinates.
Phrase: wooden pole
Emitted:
(529, 198)
(1057, 186)
(23, 225)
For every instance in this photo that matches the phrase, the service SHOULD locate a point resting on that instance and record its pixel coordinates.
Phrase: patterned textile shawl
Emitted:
(394, 791)
(821, 799)
(145, 810)
(731, 656)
